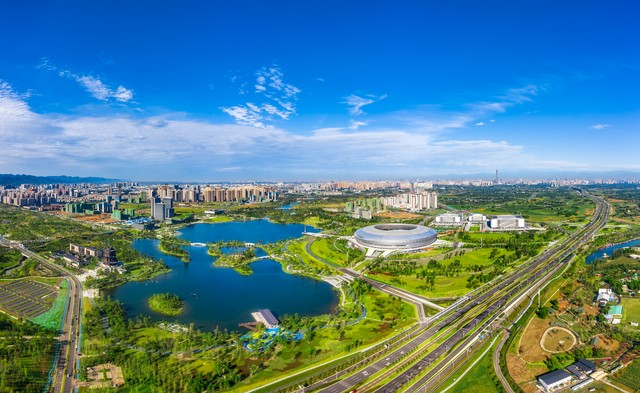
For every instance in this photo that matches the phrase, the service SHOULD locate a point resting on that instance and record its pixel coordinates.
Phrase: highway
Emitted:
(64, 369)
(490, 302)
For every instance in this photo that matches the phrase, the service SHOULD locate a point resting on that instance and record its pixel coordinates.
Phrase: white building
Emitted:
(605, 295)
(449, 219)
(477, 218)
(506, 221)
(554, 379)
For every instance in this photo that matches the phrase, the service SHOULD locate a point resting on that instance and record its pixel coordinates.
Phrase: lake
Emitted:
(219, 296)
(609, 250)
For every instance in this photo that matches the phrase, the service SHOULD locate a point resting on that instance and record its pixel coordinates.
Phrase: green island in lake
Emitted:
(166, 303)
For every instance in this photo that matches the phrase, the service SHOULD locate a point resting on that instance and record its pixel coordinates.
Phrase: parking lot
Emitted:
(26, 298)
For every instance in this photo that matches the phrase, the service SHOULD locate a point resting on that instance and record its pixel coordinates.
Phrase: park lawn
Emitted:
(53, 317)
(314, 221)
(424, 254)
(218, 219)
(142, 336)
(324, 248)
(630, 310)
(9, 259)
(444, 286)
(476, 237)
(478, 256)
(397, 316)
(297, 247)
(479, 377)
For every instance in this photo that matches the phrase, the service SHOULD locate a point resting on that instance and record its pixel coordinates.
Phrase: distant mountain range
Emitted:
(10, 179)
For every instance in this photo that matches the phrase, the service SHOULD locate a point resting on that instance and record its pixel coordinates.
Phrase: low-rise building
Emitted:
(605, 295)
(449, 219)
(506, 221)
(477, 218)
(554, 380)
(266, 317)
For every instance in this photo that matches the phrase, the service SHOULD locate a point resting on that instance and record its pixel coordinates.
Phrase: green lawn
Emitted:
(479, 256)
(9, 259)
(476, 237)
(629, 376)
(217, 219)
(444, 286)
(324, 248)
(53, 317)
(630, 310)
(479, 377)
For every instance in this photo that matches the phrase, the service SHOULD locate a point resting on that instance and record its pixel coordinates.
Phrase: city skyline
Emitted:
(319, 91)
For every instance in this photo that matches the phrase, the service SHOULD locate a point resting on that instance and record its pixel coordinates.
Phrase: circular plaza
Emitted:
(397, 237)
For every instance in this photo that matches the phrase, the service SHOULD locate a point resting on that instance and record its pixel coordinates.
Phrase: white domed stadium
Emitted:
(395, 237)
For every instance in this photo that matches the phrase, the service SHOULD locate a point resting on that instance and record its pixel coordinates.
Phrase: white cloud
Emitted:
(492, 120)
(174, 146)
(276, 100)
(96, 87)
(356, 103)
(480, 123)
(354, 125)
(511, 97)
(601, 126)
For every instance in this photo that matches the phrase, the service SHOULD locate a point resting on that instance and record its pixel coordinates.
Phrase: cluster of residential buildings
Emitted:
(337, 187)
(28, 197)
(578, 375)
(198, 193)
(412, 201)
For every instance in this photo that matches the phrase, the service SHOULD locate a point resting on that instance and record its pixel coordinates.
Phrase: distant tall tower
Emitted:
(496, 181)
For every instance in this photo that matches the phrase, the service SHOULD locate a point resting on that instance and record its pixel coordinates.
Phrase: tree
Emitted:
(542, 312)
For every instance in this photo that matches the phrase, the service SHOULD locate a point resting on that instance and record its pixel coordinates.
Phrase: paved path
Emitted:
(496, 364)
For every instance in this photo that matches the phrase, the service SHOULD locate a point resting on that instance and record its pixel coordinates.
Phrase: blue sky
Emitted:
(255, 90)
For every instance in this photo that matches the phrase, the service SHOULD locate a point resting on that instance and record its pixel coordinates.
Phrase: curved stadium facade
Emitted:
(395, 237)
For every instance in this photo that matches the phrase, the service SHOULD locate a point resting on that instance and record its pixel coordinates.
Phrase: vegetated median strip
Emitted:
(470, 366)
(412, 356)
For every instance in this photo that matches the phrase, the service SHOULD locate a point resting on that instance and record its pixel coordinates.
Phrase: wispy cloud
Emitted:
(356, 103)
(354, 125)
(96, 87)
(275, 100)
(480, 123)
(510, 98)
(601, 126)
(140, 147)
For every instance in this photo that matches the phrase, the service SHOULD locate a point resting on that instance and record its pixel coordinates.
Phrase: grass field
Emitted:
(630, 376)
(479, 377)
(53, 317)
(9, 259)
(324, 248)
(217, 219)
(630, 310)
(444, 286)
